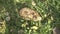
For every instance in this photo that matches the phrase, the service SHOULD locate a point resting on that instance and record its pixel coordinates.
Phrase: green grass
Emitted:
(48, 9)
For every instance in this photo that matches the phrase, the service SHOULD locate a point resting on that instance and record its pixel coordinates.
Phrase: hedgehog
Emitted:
(29, 14)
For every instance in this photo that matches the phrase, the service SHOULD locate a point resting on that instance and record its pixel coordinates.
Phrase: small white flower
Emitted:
(21, 31)
(33, 3)
(34, 27)
(17, 1)
(23, 25)
(7, 18)
(45, 15)
(11, 30)
(27, 27)
(7, 14)
(22, 20)
(52, 18)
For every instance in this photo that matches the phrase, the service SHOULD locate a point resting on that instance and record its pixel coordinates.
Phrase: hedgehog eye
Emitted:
(26, 12)
(34, 16)
(32, 13)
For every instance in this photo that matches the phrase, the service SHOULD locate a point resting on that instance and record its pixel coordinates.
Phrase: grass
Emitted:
(48, 9)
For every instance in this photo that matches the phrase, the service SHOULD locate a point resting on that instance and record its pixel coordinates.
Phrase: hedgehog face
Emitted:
(29, 14)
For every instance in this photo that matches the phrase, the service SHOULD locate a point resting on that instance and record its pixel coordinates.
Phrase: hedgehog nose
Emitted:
(39, 18)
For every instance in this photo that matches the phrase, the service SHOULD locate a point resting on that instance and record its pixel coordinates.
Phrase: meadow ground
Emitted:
(12, 23)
